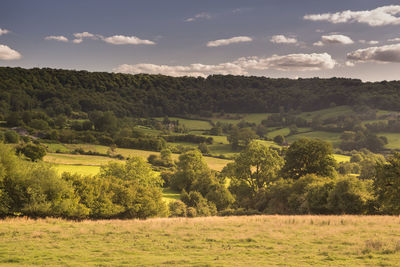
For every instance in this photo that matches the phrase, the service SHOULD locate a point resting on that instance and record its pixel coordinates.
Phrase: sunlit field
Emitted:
(211, 241)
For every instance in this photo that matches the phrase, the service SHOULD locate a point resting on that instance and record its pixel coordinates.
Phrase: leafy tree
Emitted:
(387, 184)
(350, 196)
(279, 139)
(34, 189)
(241, 137)
(135, 169)
(204, 148)
(195, 200)
(257, 165)
(177, 208)
(11, 137)
(103, 121)
(32, 151)
(39, 124)
(306, 156)
(192, 173)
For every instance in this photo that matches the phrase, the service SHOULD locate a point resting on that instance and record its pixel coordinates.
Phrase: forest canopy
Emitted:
(66, 92)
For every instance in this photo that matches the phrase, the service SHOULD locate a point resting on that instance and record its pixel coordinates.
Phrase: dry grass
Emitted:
(213, 241)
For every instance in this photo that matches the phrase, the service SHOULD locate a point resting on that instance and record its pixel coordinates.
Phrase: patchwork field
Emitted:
(77, 162)
(211, 241)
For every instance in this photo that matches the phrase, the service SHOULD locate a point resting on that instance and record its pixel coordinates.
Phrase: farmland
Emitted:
(212, 241)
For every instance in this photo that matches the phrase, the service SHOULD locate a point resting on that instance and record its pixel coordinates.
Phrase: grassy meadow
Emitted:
(207, 241)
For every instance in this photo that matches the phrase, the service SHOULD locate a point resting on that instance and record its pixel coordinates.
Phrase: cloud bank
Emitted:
(282, 39)
(223, 42)
(381, 16)
(241, 66)
(386, 53)
(6, 53)
(334, 39)
(58, 38)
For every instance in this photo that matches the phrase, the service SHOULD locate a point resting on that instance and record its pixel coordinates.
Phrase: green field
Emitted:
(170, 195)
(90, 160)
(393, 140)
(210, 241)
(328, 112)
(191, 124)
(79, 169)
(333, 138)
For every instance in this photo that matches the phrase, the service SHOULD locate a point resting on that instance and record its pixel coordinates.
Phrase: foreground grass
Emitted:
(213, 241)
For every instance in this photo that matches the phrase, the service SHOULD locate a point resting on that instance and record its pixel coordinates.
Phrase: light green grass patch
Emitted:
(393, 140)
(327, 113)
(170, 195)
(191, 124)
(53, 148)
(283, 132)
(71, 159)
(79, 169)
(210, 241)
(341, 158)
(333, 138)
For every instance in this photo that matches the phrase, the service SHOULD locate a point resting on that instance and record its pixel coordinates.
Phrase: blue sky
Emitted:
(285, 38)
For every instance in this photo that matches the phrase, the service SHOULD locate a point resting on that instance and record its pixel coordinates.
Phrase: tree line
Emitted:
(71, 93)
(305, 179)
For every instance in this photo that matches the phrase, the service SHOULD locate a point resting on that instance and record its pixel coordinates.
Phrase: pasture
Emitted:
(208, 241)
(62, 161)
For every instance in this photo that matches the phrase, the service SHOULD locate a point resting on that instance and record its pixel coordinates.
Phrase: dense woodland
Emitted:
(64, 91)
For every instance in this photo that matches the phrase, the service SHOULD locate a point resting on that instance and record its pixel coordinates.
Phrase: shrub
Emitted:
(34, 152)
(177, 209)
(11, 137)
(350, 196)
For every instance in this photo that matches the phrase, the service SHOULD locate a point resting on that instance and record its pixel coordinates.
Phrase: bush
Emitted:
(350, 196)
(177, 209)
(11, 137)
(199, 203)
(35, 190)
(39, 124)
(32, 151)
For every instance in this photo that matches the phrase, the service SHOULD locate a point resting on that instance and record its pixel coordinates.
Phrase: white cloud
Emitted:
(79, 36)
(6, 53)
(222, 42)
(386, 53)
(241, 66)
(82, 35)
(385, 15)
(282, 39)
(394, 39)
(77, 41)
(372, 42)
(3, 31)
(198, 16)
(291, 62)
(59, 38)
(121, 40)
(334, 39)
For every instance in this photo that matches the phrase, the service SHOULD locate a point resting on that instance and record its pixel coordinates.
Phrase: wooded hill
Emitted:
(64, 91)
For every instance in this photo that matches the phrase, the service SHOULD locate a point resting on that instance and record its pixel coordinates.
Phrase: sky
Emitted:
(273, 38)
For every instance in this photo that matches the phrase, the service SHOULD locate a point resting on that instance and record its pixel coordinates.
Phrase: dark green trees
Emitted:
(387, 184)
(34, 152)
(199, 185)
(254, 169)
(306, 156)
